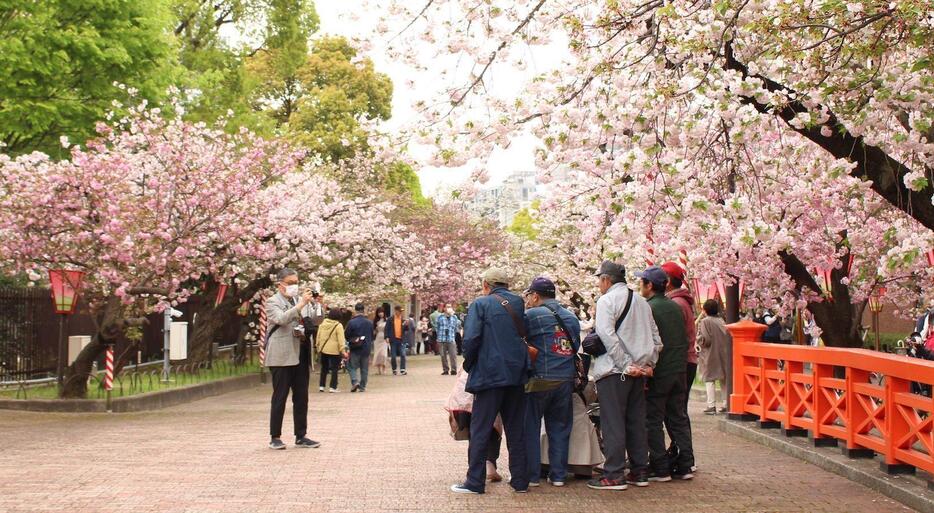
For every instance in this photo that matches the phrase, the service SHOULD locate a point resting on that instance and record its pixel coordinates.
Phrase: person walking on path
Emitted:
(497, 360)
(380, 344)
(359, 336)
(448, 325)
(409, 329)
(665, 395)
(283, 339)
(395, 333)
(330, 344)
(713, 339)
(625, 326)
(555, 332)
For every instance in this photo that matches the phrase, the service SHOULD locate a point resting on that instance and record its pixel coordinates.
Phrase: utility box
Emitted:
(178, 341)
(75, 344)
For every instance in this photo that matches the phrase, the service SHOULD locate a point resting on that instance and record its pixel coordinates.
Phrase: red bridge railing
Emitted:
(865, 400)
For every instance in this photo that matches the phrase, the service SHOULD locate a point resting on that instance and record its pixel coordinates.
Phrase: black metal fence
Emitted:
(29, 333)
(21, 354)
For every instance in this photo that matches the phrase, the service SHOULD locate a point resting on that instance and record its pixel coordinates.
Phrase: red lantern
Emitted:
(875, 300)
(930, 255)
(66, 285)
(824, 281)
(221, 292)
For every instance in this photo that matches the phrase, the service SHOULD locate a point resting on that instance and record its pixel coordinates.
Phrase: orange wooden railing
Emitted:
(871, 408)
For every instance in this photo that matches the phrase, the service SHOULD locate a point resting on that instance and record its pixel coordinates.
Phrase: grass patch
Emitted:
(136, 383)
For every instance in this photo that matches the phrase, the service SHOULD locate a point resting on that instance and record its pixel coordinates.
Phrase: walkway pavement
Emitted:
(385, 450)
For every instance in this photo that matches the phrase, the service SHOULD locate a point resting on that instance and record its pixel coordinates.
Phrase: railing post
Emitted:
(792, 399)
(743, 332)
(896, 427)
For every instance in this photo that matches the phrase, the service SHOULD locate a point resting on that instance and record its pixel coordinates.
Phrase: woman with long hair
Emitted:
(380, 344)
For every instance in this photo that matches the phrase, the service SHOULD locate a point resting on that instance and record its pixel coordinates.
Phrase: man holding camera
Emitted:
(283, 349)
(627, 349)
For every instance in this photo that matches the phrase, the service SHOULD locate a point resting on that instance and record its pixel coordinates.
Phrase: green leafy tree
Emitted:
(523, 223)
(61, 60)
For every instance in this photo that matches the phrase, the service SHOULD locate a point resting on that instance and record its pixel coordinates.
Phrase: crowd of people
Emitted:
(528, 365)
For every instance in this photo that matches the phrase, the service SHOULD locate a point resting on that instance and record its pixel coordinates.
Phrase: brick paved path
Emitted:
(386, 450)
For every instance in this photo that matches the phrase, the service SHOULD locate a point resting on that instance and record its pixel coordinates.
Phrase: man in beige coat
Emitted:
(283, 338)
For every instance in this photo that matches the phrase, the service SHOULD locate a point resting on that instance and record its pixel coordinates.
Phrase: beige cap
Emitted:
(495, 275)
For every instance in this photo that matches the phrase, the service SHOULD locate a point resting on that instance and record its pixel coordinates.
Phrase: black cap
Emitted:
(359, 307)
(612, 269)
(543, 286)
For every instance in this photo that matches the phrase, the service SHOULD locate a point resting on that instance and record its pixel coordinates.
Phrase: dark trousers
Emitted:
(329, 363)
(509, 403)
(665, 403)
(556, 409)
(294, 378)
(397, 349)
(622, 422)
(689, 382)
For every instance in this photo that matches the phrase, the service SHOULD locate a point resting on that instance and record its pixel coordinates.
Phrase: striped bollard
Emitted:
(262, 340)
(109, 374)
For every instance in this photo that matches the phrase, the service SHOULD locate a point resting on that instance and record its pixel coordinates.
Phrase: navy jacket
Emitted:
(555, 361)
(390, 330)
(494, 355)
(360, 326)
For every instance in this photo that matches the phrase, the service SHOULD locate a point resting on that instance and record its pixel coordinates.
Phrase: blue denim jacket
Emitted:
(554, 361)
(494, 355)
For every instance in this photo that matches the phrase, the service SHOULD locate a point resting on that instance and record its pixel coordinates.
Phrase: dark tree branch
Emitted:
(884, 172)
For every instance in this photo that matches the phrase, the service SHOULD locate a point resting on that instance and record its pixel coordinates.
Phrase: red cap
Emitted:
(673, 270)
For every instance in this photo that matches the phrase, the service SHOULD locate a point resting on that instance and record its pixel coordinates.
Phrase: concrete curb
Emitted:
(911, 491)
(141, 402)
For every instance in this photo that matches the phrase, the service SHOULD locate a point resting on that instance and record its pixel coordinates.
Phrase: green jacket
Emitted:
(670, 321)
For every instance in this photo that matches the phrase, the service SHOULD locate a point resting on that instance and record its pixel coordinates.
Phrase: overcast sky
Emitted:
(335, 19)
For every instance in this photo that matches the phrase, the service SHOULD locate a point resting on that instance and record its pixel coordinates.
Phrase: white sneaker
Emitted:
(555, 483)
(459, 488)
(333, 390)
(320, 389)
(534, 484)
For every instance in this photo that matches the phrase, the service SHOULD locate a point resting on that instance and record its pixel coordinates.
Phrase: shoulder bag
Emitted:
(520, 328)
(592, 344)
(580, 378)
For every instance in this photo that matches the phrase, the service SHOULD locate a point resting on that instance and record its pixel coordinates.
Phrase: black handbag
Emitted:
(592, 344)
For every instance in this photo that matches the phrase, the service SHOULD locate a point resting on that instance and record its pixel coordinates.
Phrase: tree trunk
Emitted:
(837, 317)
(108, 329)
(212, 319)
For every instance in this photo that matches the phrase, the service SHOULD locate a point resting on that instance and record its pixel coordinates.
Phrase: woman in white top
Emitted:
(380, 345)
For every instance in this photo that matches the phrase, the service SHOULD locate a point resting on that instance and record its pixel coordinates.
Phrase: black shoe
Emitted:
(307, 443)
(640, 478)
(444, 373)
(394, 373)
(276, 445)
(659, 477)
(710, 411)
(403, 372)
(607, 484)
(679, 475)
(354, 388)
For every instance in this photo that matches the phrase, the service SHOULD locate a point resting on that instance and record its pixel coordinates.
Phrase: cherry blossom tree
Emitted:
(767, 140)
(147, 210)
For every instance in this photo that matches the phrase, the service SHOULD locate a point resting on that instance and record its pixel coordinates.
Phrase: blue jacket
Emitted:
(360, 326)
(555, 360)
(494, 355)
(390, 330)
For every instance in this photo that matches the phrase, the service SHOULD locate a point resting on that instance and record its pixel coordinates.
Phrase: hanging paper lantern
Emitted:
(930, 255)
(875, 300)
(824, 280)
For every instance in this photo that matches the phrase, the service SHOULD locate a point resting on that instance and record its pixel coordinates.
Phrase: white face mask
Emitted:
(450, 311)
(291, 290)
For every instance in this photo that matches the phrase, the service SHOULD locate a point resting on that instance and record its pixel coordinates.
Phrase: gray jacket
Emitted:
(637, 341)
(283, 346)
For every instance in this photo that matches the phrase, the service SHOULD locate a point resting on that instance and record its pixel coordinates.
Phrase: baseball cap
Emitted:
(543, 286)
(612, 269)
(654, 275)
(495, 275)
(673, 270)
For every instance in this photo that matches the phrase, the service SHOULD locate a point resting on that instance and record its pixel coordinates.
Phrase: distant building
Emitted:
(501, 203)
